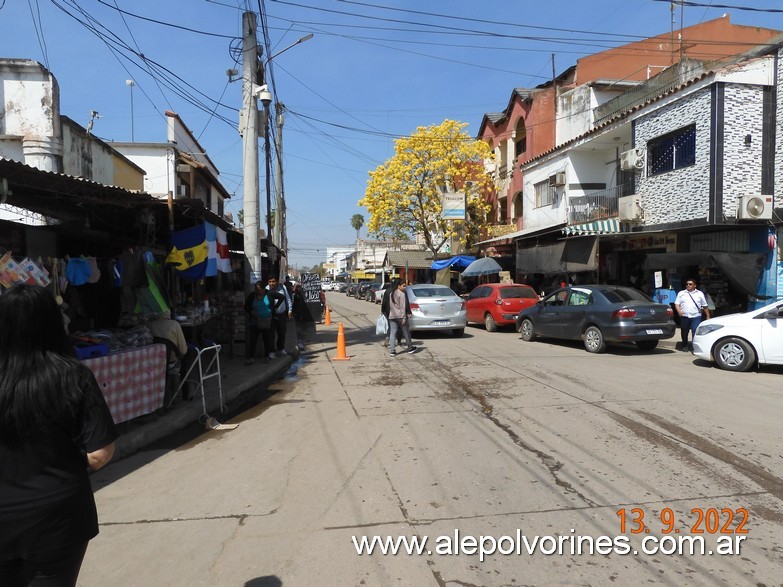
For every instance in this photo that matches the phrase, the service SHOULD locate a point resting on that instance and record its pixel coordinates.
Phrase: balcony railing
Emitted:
(598, 205)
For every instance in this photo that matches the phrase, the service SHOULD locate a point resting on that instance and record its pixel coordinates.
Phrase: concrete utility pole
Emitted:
(249, 133)
(280, 230)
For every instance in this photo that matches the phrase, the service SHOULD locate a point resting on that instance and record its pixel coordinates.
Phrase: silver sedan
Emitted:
(436, 307)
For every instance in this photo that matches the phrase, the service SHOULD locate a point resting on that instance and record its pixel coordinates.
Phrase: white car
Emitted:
(737, 342)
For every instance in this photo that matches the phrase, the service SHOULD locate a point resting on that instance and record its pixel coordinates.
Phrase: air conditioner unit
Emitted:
(755, 208)
(632, 160)
(558, 179)
(629, 207)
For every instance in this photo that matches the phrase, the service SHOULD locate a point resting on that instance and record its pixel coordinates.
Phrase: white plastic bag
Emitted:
(381, 325)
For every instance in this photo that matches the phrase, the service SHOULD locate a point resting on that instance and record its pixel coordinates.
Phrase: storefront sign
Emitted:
(650, 241)
(311, 287)
(453, 206)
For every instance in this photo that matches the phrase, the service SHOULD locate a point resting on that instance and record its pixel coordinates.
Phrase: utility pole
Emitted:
(280, 229)
(249, 133)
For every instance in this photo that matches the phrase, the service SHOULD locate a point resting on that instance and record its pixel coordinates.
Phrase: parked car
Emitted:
(499, 304)
(737, 342)
(436, 307)
(342, 287)
(377, 295)
(369, 294)
(598, 315)
(361, 290)
(351, 289)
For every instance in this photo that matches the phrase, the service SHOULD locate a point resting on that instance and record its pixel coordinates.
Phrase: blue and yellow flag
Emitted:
(189, 252)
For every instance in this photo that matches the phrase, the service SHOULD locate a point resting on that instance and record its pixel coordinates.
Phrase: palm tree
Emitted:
(357, 221)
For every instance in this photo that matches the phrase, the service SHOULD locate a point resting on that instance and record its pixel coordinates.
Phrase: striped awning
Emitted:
(597, 227)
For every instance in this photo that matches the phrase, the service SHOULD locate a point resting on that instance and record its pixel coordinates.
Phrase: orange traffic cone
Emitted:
(328, 317)
(341, 356)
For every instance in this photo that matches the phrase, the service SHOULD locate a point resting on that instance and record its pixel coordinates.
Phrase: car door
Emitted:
(772, 336)
(476, 302)
(573, 313)
(549, 314)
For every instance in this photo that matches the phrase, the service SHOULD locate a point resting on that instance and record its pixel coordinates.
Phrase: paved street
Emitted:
(485, 435)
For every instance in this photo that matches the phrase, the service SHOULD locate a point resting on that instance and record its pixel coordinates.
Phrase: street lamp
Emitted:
(130, 83)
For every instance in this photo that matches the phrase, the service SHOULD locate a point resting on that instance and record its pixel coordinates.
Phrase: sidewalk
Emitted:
(237, 379)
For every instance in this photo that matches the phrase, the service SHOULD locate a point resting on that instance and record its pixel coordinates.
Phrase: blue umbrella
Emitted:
(483, 266)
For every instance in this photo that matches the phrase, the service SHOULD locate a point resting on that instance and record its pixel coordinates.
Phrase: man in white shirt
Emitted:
(689, 304)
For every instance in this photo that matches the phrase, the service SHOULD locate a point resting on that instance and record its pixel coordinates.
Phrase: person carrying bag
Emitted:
(690, 304)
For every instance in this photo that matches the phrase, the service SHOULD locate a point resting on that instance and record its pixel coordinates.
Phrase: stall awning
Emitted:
(597, 227)
(743, 270)
(572, 255)
(458, 262)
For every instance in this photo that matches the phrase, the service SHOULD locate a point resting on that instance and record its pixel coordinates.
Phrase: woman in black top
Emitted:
(54, 425)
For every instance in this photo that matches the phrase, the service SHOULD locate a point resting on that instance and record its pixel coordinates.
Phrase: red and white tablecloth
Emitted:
(133, 382)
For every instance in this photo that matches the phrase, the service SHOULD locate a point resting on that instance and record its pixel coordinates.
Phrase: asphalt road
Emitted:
(483, 441)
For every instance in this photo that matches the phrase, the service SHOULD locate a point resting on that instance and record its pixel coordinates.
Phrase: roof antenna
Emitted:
(93, 115)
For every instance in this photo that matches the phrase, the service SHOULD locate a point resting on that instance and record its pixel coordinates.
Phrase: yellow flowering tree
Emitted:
(404, 194)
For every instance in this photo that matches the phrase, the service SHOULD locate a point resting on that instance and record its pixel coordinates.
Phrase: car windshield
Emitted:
(430, 291)
(624, 294)
(517, 292)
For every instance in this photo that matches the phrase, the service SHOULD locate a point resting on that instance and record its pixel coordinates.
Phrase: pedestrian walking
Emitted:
(260, 305)
(303, 318)
(280, 316)
(387, 291)
(689, 304)
(399, 314)
(54, 426)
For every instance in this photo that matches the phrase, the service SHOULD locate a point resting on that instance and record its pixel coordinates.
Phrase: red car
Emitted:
(498, 304)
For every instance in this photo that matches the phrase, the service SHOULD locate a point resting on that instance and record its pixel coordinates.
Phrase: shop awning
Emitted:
(743, 270)
(597, 227)
(572, 255)
(458, 262)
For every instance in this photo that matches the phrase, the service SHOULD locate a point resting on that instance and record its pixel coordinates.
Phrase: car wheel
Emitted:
(527, 330)
(457, 332)
(647, 345)
(490, 324)
(734, 354)
(594, 340)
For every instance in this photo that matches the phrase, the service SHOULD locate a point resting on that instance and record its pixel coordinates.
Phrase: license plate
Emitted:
(442, 322)
(655, 331)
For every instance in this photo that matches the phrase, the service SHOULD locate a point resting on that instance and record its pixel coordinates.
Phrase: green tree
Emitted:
(357, 221)
(404, 194)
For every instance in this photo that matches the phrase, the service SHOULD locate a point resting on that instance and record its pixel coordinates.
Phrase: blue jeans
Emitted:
(394, 324)
(687, 324)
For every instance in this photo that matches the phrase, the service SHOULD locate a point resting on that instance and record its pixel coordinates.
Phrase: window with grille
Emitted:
(543, 194)
(672, 151)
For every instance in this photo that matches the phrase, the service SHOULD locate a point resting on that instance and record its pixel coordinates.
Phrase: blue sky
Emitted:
(374, 71)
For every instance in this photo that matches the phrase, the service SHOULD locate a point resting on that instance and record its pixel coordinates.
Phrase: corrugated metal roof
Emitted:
(413, 259)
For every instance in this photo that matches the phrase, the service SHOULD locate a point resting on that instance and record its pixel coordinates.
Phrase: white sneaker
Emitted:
(272, 356)
(283, 352)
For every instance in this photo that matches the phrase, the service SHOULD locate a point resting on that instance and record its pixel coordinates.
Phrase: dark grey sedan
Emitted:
(598, 314)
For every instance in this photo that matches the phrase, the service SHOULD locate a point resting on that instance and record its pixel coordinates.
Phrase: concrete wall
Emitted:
(30, 114)
(551, 215)
(681, 194)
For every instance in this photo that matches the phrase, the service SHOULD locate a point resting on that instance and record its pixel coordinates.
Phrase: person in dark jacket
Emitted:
(54, 426)
(387, 290)
(399, 316)
(260, 306)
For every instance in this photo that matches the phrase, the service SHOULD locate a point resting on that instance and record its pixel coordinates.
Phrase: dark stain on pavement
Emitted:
(756, 473)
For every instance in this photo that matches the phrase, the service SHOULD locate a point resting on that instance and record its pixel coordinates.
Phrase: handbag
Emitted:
(263, 323)
(381, 325)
